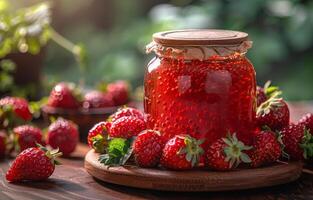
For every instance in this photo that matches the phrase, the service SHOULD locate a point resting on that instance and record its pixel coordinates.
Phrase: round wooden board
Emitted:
(192, 181)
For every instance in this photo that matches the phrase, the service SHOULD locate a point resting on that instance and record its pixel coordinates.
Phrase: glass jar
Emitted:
(201, 84)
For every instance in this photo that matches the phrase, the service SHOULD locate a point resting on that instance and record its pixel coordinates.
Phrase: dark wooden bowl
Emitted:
(84, 118)
(198, 180)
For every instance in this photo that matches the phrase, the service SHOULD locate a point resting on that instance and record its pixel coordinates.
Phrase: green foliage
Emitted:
(6, 79)
(28, 29)
(281, 31)
(25, 30)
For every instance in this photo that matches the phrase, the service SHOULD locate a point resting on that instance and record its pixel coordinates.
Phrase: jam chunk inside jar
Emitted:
(201, 84)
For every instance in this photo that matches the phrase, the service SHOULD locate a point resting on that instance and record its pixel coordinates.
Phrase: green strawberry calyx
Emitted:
(273, 102)
(118, 151)
(99, 142)
(279, 137)
(51, 154)
(192, 149)
(234, 151)
(307, 144)
(270, 90)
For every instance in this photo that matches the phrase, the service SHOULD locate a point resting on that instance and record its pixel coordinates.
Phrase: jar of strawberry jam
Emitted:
(200, 83)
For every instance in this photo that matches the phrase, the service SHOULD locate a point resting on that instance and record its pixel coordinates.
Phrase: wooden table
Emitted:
(70, 181)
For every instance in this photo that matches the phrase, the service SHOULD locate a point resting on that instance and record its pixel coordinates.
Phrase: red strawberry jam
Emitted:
(206, 98)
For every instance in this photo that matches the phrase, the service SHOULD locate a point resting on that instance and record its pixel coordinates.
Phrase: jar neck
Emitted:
(200, 52)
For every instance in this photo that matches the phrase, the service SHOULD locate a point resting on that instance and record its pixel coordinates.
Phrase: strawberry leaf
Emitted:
(118, 152)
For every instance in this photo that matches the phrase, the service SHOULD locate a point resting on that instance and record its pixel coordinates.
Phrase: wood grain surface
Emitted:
(71, 181)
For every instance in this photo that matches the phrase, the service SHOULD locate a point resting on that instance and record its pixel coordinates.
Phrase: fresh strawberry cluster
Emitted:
(14, 110)
(35, 162)
(295, 139)
(124, 135)
(69, 96)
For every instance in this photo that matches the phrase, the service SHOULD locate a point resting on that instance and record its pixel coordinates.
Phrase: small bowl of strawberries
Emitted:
(86, 107)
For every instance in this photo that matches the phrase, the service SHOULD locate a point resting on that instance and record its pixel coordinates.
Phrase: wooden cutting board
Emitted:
(194, 180)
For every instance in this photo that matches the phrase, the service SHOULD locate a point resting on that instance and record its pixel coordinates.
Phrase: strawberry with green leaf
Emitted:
(14, 110)
(36, 163)
(274, 113)
(266, 92)
(227, 153)
(182, 152)
(298, 142)
(98, 136)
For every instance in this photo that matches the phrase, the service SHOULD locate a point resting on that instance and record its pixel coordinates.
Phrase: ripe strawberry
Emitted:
(124, 112)
(18, 106)
(64, 95)
(227, 153)
(27, 136)
(127, 127)
(298, 142)
(273, 113)
(260, 95)
(97, 136)
(266, 149)
(63, 134)
(148, 148)
(2, 144)
(36, 163)
(119, 90)
(97, 99)
(307, 121)
(182, 152)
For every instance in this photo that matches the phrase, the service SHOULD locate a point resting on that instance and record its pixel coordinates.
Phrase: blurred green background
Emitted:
(115, 33)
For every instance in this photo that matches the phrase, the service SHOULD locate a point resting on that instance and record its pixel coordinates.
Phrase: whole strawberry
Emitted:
(119, 90)
(182, 152)
(2, 144)
(97, 136)
(97, 99)
(36, 163)
(63, 134)
(307, 121)
(27, 136)
(273, 113)
(18, 106)
(126, 127)
(124, 112)
(260, 95)
(147, 148)
(298, 142)
(64, 95)
(227, 153)
(266, 149)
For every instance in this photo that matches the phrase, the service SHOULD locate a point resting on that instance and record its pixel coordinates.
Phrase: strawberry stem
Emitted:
(307, 144)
